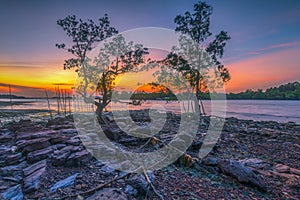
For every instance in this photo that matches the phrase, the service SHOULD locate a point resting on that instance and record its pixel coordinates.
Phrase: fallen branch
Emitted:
(151, 185)
(100, 186)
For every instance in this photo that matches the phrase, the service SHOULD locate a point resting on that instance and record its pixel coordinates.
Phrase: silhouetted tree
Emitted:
(189, 58)
(114, 59)
(84, 34)
(98, 71)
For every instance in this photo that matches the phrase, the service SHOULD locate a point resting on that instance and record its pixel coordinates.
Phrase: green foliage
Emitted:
(289, 91)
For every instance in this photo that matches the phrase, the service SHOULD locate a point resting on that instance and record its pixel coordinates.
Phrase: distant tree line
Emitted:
(289, 91)
(7, 96)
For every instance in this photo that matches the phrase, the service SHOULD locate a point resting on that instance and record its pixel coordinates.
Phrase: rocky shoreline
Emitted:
(47, 160)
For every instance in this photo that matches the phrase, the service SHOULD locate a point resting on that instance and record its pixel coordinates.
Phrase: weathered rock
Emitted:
(58, 139)
(40, 154)
(64, 183)
(5, 150)
(293, 182)
(35, 135)
(295, 171)
(59, 157)
(242, 173)
(108, 194)
(68, 131)
(13, 170)
(32, 182)
(107, 169)
(13, 173)
(57, 121)
(282, 168)
(16, 179)
(13, 193)
(131, 191)
(256, 164)
(32, 175)
(32, 168)
(70, 156)
(138, 181)
(13, 159)
(210, 161)
(78, 158)
(32, 145)
(75, 141)
(5, 138)
(5, 184)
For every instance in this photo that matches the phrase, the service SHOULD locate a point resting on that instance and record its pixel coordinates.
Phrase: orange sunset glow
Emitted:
(264, 71)
(39, 78)
(258, 72)
(261, 71)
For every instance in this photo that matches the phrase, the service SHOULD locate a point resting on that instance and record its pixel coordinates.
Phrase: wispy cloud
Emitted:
(275, 47)
(22, 64)
(18, 86)
(65, 84)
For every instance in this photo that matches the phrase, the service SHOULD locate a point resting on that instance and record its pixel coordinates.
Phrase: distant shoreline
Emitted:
(13, 103)
(7, 113)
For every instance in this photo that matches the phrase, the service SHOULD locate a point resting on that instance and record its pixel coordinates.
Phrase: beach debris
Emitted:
(210, 161)
(32, 175)
(256, 164)
(186, 160)
(282, 168)
(13, 193)
(131, 191)
(242, 173)
(140, 182)
(64, 183)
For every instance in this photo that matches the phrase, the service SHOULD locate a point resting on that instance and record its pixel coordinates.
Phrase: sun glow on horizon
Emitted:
(26, 79)
(261, 71)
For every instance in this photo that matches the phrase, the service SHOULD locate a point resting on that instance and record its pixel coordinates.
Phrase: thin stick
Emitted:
(57, 99)
(49, 108)
(65, 102)
(151, 185)
(100, 186)
(10, 99)
(69, 102)
(201, 103)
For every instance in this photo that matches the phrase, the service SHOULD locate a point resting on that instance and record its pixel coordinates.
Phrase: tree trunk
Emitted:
(99, 111)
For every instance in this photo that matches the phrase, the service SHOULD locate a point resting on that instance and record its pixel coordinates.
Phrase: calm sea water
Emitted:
(261, 110)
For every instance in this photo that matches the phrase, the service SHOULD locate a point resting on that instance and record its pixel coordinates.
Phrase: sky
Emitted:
(263, 52)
